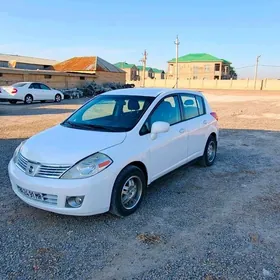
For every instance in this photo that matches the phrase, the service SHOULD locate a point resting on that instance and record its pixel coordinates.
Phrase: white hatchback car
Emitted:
(29, 92)
(106, 153)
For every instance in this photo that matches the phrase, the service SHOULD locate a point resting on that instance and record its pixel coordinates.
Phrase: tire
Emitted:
(57, 98)
(210, 152)
(127, 197)
(13, 101)
(28, 99)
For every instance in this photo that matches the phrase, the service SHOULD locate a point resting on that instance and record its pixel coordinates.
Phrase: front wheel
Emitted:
(210, 152)
(57, 98)
(128, 191)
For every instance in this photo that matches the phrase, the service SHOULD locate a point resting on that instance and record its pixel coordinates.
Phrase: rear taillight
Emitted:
(214, 114)
(14, 91)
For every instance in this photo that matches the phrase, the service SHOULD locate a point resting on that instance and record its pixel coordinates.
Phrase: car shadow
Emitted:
(240, 153)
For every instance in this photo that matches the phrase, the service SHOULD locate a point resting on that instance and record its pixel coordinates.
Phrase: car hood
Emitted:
(64, 145)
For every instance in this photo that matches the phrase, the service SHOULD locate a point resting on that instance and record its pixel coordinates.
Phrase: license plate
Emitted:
(31, 194)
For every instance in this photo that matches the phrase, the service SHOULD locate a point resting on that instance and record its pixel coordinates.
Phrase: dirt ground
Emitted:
(211, 223)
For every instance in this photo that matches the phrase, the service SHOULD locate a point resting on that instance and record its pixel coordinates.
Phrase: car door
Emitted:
(35, 90)
(195, 124)
(168, 150)
(47, 93)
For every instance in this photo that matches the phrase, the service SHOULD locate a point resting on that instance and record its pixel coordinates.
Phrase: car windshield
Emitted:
(113, 113)
(19, 85)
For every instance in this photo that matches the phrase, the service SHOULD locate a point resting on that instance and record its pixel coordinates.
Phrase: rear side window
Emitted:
(193, 106)
(189, 106)
(35, 85)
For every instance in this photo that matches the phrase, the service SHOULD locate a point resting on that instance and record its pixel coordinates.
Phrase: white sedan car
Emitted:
(117, 144)
(29, 92)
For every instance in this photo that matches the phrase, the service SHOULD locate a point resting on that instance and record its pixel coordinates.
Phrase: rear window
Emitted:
(19, 85)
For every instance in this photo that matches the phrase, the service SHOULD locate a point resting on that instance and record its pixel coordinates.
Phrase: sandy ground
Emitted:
(211, 223)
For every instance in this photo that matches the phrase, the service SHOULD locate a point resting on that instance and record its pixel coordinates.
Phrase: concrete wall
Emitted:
(213, 84)
(57, 79)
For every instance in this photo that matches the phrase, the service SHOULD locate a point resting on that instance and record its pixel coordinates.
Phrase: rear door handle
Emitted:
(182, 130)
(205, 122)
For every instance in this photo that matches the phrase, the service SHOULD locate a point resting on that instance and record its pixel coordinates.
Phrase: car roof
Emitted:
(152, 92)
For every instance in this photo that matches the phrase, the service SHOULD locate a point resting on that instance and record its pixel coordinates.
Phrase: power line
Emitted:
(270, 65)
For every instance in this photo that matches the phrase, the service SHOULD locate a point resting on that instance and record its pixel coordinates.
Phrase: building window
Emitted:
(216, 78)
(195, 69)
(217, 67)
(1, 74)
(48, 76)
(206, 68)
(171, 69)
(82, 78)
(194, 77)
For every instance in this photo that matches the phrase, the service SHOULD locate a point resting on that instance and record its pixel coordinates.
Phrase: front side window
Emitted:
(44, 87)
(115, 113)
(168, 110)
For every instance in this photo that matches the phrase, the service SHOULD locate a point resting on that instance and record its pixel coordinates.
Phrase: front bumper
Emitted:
(96, 191)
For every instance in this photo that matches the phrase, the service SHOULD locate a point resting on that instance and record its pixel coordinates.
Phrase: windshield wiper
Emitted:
(72, 124)
(90, 126)
(95, 126)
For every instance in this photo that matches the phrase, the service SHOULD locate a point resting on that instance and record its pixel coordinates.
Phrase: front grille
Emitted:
(43, 170)
(52, 171)
(42, 197)
(22, 162)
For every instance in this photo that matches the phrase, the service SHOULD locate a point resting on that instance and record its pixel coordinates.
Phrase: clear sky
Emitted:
(120, 30)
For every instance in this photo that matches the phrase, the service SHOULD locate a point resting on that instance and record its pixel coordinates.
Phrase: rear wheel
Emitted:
(28, 99)
(128, 191)
(57, 98)
(13, 101)
(210, 152)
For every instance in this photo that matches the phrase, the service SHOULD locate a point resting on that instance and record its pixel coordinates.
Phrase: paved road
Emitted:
(196, 223)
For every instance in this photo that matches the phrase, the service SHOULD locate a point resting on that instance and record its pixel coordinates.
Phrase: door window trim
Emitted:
(156, 106)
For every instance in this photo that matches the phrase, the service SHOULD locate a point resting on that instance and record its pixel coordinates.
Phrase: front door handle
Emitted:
(182, 130)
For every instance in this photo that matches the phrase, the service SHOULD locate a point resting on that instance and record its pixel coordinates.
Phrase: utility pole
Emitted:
(177, 43)
(144, 61)
(256, 71)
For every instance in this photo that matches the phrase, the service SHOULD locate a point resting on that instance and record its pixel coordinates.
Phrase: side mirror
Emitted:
(159, 127)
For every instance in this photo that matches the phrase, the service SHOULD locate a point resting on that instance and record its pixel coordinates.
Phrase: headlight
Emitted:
(88, 167)
(15, 156)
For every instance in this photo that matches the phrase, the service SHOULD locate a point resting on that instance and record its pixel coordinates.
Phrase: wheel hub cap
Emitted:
(131, 192)
(211, 151)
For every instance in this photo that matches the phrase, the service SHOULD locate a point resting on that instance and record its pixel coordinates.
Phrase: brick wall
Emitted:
(57, 79)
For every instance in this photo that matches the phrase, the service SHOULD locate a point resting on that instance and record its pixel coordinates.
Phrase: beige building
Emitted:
(130, 70)
(201, 66)
(92, 65)
(159, 74)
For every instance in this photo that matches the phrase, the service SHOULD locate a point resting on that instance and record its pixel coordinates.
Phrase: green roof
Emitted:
(141, 68)
(226, 61)
(198, 57)
(157, 70)
(124, 65)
